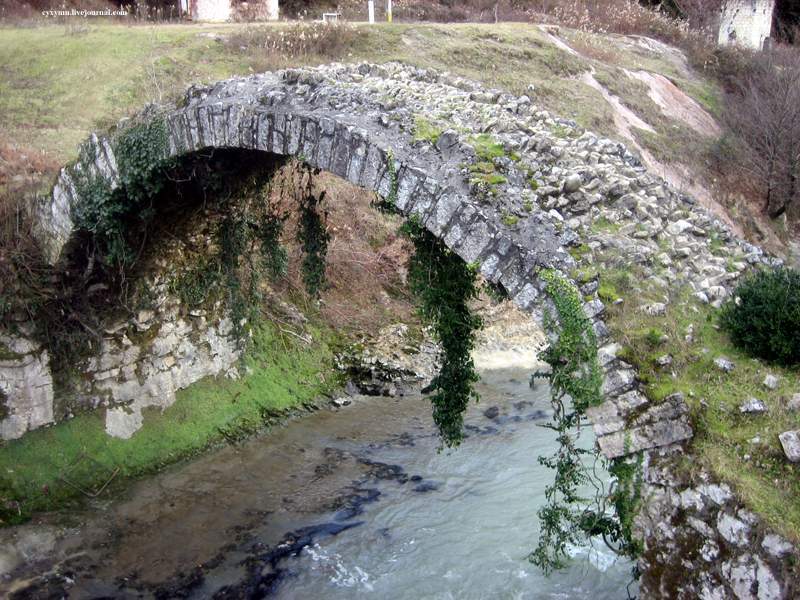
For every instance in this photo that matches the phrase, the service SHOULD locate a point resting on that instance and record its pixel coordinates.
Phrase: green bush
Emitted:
(763, 318)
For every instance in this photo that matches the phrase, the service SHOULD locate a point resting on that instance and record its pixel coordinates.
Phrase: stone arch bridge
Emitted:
(500, 181)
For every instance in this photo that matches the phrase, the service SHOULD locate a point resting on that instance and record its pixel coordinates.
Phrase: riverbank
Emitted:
(344, 502)
(64, 466)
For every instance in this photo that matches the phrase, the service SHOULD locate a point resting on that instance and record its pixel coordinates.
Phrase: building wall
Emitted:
(211, 10)
(746, 22)
(234, 10)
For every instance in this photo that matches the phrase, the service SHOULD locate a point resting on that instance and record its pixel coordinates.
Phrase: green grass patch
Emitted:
(282, 373)
(487, 148)
(742, 450)
(425, 131)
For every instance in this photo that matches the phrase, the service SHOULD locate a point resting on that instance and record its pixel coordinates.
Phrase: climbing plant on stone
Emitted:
(312, 235)
(444, 285)
(575, 385)
(142, 155)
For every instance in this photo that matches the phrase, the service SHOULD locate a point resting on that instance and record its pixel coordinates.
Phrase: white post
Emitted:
(389, 10)
(371, 7)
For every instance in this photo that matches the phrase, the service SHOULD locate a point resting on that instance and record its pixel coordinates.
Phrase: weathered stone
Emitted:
(752, 406)
(790, 441)
(733, 530)
(724, 365)
(572, 183)
(656, 309)
(776, 546)
(770, 382)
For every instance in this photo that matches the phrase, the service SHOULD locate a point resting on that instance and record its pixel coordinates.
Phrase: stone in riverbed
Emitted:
(790, 440)
(492, 412)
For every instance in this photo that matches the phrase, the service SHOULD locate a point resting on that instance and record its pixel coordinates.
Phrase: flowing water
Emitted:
(348, 503)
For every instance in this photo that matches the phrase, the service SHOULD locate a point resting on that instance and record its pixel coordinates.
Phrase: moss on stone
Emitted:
(282, 373)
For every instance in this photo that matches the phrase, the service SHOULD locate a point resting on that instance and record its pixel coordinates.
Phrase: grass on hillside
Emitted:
(47, 468)
(742, 450)
(57, 85)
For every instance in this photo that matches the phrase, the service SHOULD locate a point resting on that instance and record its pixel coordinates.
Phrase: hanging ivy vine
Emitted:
(312, 234)
(142, 155)
(575, 384)
(444, 285)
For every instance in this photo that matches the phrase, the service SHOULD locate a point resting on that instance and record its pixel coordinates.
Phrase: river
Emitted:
(355, 502)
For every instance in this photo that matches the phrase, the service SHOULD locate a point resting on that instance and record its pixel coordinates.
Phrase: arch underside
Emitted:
(359, 122)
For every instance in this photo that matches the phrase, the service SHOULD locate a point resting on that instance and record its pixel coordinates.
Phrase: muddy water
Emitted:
(348, 503)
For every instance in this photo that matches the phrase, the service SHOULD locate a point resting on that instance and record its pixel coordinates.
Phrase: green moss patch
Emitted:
(54, 467)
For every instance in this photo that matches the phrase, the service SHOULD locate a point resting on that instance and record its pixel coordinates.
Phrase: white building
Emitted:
(746, 22)
(233, 10)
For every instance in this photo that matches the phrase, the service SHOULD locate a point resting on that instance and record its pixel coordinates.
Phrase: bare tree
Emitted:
(763, 111)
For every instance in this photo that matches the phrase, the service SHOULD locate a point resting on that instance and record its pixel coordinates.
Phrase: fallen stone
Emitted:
(657, 309)
(790, 441)
(752, 406)
(770, 382)
(724, 365)
(794, 403)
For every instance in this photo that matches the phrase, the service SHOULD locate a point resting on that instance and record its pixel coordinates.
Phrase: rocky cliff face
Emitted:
(700, 542)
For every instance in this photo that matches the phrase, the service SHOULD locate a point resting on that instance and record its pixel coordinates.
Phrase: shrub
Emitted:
(327, 41)
(764, 316)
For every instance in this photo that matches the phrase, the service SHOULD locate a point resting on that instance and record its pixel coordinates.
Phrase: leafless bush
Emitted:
(23, 270)
(299, 39)
(762, 110)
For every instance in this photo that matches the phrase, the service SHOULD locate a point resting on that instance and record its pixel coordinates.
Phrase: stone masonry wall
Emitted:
(746, 22)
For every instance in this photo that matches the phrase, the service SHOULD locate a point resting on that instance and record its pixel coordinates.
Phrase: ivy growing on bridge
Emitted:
(575, 385)
(142, 155)
(313, 235)
(444, 285)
